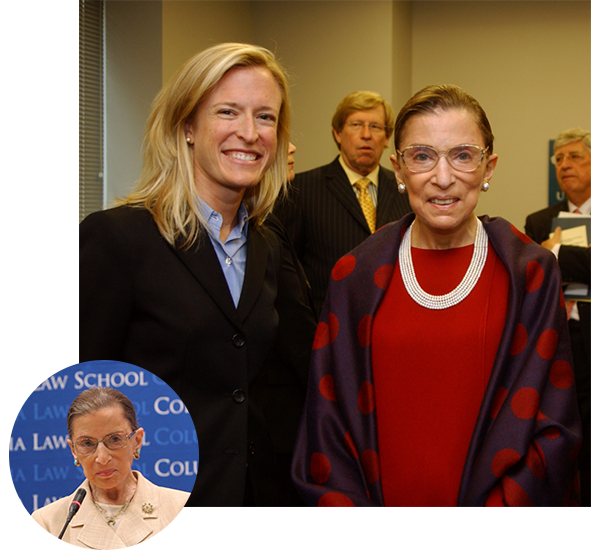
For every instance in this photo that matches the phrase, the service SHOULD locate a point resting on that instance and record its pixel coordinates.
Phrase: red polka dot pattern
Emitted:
(534, 276)
(326, 387)
(561, 375)
(383, 276)
(519, 340)
(371, 465)
(319, 468)
(521, 235)
(321, 337)
(541, 416)
(343, 267)
(350, 445)
(366, 398)
(546, 345)
(503, 460)
(498, 401)
(551, 433)
(514, 494)
(335, 499)
(333, 327)
(535, 460)
(364, 331)
(525, 403)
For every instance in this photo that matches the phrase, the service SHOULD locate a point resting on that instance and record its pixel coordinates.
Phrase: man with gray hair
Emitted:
(572, 159)
(334, 208)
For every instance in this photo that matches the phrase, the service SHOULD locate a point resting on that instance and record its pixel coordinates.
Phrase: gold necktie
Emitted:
(369, 210)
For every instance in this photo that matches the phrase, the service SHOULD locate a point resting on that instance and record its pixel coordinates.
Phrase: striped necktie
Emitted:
(369, 210)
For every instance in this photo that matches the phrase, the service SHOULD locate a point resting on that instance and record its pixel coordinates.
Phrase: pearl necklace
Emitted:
(454, 297)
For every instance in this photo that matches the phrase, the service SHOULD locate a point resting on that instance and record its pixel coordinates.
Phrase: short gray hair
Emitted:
(571, 135)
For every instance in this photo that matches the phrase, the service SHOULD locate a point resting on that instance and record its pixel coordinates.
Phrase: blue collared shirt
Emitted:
(232, 253)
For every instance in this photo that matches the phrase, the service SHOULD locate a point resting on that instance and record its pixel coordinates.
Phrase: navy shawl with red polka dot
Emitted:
(528, 433)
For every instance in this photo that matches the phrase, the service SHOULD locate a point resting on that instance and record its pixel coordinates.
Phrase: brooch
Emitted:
(147, 508)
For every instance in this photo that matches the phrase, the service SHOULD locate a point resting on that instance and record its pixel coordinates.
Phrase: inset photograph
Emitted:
(101, 454)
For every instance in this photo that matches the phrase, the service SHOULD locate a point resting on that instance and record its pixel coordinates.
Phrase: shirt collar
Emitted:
(214, 220)
(355, 177)
(585, 208)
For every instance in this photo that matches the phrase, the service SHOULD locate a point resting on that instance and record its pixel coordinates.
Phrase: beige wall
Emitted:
(528, 64)
(331, 49)
(189, 27)
(133, 32)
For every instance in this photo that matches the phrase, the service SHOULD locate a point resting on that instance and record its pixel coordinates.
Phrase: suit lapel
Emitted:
(89, 528)
(386, 196)
(203, 263)
(338, 184)
(256, 265)
(137, 525)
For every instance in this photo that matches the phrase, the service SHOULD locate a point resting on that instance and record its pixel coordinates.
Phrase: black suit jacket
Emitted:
(169, 310)
(538, 225)
(324, 219)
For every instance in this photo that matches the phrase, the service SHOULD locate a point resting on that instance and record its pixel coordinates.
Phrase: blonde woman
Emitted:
(184, 279)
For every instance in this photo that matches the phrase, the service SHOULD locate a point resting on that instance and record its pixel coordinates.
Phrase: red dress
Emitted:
(430, 369)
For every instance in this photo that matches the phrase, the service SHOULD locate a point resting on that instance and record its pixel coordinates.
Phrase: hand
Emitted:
(549, 243)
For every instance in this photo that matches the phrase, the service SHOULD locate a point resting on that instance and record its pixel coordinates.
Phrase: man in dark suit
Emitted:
(572, 158)
(332, 209)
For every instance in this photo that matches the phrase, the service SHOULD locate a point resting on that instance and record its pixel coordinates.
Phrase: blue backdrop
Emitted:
(555, 194)
(41, 463)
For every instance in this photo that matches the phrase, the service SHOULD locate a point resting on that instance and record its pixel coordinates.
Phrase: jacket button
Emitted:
(238, 396)
(238, 340)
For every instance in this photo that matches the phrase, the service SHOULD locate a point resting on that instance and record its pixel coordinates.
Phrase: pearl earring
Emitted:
(401, 187)
(485, 186)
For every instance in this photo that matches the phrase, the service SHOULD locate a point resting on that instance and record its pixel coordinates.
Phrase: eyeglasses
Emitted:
(87, 445)
(421, 158)
(573, 157)
(356, 126)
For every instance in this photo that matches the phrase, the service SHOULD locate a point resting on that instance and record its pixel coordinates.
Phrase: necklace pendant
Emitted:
(111, 521)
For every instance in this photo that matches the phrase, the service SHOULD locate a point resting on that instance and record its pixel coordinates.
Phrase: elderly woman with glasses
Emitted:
(441, 372)
(121, 507)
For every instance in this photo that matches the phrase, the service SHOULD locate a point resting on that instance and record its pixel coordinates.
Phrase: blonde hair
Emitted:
(166, 185)
(361, 101)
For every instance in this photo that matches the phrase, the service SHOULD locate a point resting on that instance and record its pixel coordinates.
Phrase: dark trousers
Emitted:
(582, 368)
(287, 493)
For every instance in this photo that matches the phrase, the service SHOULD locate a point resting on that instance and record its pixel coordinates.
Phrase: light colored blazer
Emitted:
(88, 529)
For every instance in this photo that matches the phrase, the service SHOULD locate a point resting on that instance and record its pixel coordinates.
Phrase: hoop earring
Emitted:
(136, 455)
(401, 188)
(76, 462)
(485, 186)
